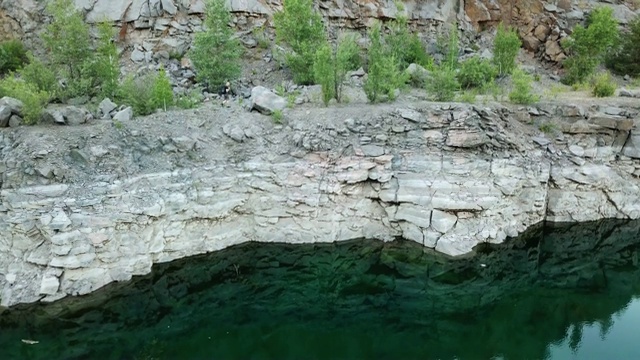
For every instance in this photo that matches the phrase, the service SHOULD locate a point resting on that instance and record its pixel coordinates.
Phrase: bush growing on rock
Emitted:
(522, 90)
(331, 66)
(625, 57)
(301, 28)
(38, 74)
(145, 93)
(603, 85)
(161, 93)
(216, 52)
(405, 46)
(33, 99)
(383, 75)
(13, 56)
(443, 84)
(476, 72)
(587, 46)
(505, 49)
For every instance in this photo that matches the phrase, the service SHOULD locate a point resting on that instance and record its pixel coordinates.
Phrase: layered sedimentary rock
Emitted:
(105, 203)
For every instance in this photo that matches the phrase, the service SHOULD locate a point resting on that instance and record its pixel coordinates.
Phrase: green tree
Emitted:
(68, 44)
(383, 75)
(588, 46)
(625, 59)
(162, 93)
(105, 65)
(405, 46)
(505, 49)
(216, 52)
(301, 28)
(476, 72)
(522, 90)
(332, 64)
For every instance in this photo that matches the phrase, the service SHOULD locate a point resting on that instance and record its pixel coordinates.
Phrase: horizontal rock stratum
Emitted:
(81, 207)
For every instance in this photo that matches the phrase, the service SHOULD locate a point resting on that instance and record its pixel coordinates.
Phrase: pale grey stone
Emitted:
(442, 221)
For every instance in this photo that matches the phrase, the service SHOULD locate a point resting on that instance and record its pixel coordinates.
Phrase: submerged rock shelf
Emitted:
(364, 298)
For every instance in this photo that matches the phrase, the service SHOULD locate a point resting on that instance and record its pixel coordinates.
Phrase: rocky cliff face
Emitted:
(151, 29)
(84, 206)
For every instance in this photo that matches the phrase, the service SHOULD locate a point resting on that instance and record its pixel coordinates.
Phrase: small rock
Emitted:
(106, 107)
(137, 56)
(5, 115)
(372, 150)
(15, 121)
(541, 140)
(576, 150)
(265, 101)
(49, 285)
(79, 156)
(235, 132)
(124, 115)
(411, 115)
(14, 104)
(53, 116)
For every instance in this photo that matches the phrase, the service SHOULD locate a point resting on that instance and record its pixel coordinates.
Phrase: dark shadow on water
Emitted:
(360, 299)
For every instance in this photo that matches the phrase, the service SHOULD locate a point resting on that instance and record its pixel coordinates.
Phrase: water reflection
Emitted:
(557, 292)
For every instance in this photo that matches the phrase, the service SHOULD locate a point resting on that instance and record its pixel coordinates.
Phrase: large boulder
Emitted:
(265, 101)
(65, 115)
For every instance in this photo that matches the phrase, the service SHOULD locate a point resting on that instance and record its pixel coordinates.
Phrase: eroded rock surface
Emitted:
(84, 206)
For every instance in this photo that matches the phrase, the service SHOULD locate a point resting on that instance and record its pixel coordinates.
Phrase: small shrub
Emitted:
(33, 99)
(405, 46)
(190, 99)
(280, 90)
(383, 76)
(603, 85)
(468, 96)
(547, 127)
(13, 56)
(331, 66)
(301, 28)
(277, 116)
(581, 86)
(476, 72)
(587, 47)
(39, 75)
(161, 93)
(505, 49)
(105, 66)
(138, 93)
(452, 49)
(216, 52)
(521, 92)
(260, 34)
(443, 84)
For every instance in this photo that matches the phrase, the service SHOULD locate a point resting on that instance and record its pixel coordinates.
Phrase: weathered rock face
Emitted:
(101, 208)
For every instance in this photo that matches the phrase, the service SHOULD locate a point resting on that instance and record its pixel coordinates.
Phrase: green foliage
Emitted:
(301, 28)
(13, 56)
(505, 49)
(443, 84)
(33, 99)
(331, 66)
(452, 49)
(69, 46)
(190, 99)
(138, 93)
(625, 59)
(216, 52)
(105, 68)
(277, 116)
(547, 127)
(405, 46)
(603, 85)
(161, 93)
(468, 96)
(522, 91)
(384, 76)
(476, 72)
(39, 75)
(588, 46)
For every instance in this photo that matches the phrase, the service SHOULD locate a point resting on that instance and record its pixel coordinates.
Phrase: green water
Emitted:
(562, 292)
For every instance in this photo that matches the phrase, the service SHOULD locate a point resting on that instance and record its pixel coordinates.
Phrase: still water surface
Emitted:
(561, 292)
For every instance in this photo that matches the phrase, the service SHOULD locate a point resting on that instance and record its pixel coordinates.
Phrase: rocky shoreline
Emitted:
(114, 200)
